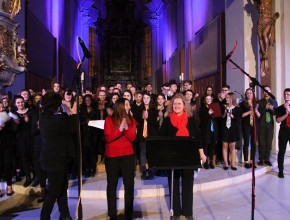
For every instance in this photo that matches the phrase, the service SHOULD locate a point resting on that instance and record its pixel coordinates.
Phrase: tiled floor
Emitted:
(218, 195)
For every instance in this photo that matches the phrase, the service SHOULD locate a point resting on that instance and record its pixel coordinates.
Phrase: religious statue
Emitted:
(266, 31)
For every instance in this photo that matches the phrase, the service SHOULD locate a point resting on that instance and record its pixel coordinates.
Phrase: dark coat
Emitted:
(57, 132)
(152, 124)
(167, 129)
(205, 125)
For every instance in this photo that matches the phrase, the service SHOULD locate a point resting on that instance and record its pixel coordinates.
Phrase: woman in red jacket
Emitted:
(120, 132)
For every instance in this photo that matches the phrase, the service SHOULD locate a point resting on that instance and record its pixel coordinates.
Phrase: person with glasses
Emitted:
(187, 84)
(222, 95)
(283, 117)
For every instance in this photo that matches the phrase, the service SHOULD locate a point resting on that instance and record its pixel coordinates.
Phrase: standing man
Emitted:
(187, 84)
(283, 117)
(266, 110)
(165, 89)
(57, 134)
(172, 89)
(149, 89)
(222, 95)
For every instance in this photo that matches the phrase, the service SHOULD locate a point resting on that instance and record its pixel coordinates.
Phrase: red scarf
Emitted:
(180, 123)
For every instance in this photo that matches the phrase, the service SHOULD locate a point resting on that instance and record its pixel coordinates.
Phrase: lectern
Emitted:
(172, 153)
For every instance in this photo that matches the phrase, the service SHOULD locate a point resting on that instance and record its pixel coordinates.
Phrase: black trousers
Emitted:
(183, 205)
(6, 158)
(126, 166)
(283, 139)
(56, 191)
(248, 132)
(265, 137)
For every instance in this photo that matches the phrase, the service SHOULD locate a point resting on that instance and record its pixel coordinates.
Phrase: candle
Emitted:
(82, 76)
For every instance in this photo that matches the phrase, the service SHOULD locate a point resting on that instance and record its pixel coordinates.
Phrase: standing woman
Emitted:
(181, 123)
(249, 123)
(209, 131)
(57, 130)
(68, 102)
(8, 127)
(120, 132)
(160, 108)
(24, 139)
(147, 126)
(230, 129)
(88, 112)
(127, 94)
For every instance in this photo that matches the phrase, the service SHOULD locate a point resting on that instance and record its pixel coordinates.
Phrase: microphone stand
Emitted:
(252, 85)
(77, 82)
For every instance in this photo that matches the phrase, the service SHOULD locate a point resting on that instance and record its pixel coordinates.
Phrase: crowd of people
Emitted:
(36, 137)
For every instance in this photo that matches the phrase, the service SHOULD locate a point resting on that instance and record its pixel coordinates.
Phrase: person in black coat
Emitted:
(209, 131)
(57, 130)
(181, 123)
(146, 126)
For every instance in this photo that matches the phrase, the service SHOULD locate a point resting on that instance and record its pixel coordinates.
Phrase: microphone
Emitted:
(239, 94)
(87, 53)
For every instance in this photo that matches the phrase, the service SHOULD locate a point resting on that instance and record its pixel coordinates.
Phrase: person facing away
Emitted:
(57, 133)
(120, 132)
(179, 122)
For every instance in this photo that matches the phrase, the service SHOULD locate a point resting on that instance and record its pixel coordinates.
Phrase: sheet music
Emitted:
(97, 124)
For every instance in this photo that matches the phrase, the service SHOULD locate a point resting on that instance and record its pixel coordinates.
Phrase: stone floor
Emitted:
(218, 194)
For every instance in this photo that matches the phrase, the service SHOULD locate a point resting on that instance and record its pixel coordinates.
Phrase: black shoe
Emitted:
(87, 173)
(18, 177)
(205, 165)
(150, 175)
(65, 218)
(92, 173)
(268, 163)
(211, 166)
(261, 163)
(233, 168)
(27, 182)
(281, 175)
(225, 168)
(247, 165)
(144, 175)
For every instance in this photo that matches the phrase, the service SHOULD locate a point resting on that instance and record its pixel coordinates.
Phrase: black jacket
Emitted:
(57, 132)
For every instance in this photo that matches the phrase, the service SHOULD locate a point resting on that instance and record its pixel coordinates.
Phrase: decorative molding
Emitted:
(13, 58)
(10, 7)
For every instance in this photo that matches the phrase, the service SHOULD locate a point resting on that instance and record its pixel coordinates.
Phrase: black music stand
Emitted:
(172, 153)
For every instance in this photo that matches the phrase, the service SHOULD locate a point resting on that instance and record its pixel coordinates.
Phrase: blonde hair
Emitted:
(187, 108)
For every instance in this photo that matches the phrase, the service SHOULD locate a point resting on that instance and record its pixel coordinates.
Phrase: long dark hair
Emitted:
(119, 113)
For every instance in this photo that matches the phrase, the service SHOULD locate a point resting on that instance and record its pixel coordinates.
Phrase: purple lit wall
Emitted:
(204, 11)
(169, 37)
